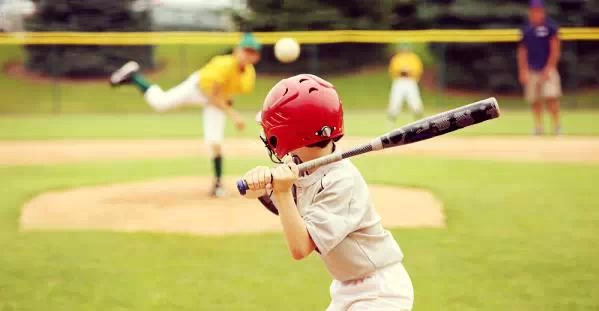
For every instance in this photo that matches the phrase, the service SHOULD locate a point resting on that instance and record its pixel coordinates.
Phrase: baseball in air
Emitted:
(287, 50)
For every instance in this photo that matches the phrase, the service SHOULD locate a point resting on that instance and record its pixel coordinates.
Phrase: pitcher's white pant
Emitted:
(404, 89)
(189, 93)
(389, 289)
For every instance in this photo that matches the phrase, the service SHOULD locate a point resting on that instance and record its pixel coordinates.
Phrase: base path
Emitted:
(182, 205)
(545, 149)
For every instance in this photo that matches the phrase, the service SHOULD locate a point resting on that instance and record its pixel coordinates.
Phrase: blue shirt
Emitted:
(536, 40)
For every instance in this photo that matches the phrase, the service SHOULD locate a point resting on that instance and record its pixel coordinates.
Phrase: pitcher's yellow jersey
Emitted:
(406, 64)
(225, 71)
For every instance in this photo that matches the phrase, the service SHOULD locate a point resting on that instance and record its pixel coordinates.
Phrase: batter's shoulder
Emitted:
(336, 170)
(343, 173)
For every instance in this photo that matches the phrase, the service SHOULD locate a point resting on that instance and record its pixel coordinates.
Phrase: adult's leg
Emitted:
(533, 97)
(537, 115)
(552, 91)
(553, 106)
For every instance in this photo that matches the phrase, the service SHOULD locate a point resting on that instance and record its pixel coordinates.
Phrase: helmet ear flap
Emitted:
(272, 140)
(271, 153)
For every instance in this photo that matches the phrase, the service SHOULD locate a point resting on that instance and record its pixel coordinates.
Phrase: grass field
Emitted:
(367, 90)
(519, 236)
(177, 125)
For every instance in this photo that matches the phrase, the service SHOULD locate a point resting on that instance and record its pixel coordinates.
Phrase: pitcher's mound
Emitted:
(183, 205)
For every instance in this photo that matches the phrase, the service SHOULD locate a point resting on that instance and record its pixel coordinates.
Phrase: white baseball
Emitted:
(287, 50)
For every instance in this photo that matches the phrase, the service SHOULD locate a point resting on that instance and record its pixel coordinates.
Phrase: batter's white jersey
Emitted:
(189, 93)
(363, 257)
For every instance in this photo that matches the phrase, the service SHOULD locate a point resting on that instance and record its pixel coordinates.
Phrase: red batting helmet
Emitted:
(301, 111)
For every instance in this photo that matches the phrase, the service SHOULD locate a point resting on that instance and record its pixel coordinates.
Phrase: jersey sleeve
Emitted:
(334, 214)
(248, 80)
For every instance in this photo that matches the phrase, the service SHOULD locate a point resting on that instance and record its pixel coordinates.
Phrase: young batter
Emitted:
(328, 210)
(213, 87)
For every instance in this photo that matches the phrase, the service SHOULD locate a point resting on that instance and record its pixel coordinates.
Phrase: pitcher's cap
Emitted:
(248, 41)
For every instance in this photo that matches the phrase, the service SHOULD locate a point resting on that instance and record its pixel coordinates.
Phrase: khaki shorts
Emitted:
(536, 89)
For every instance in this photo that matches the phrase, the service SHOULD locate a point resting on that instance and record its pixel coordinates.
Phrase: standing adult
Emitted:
(538, 56)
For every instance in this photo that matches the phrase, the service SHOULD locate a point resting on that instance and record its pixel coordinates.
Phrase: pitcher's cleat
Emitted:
(124, 74)
(218, 191)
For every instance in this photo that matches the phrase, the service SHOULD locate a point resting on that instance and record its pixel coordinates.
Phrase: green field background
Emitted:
(519, 235)
(367, 89)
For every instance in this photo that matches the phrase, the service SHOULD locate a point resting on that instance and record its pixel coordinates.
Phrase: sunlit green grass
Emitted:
(365, 90)
(518, 237)
(189, 125)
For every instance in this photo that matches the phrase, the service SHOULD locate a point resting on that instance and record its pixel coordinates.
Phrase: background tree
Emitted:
(286, 15)
(492, 66)
(86, 15)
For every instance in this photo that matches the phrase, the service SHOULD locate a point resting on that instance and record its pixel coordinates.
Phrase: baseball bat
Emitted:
(420, 130)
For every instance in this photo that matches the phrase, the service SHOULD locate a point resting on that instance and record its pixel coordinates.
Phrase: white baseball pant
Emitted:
(188, 93)
(404, 89)
(388, 289)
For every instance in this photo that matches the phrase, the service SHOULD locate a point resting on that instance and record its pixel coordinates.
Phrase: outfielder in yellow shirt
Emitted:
(405, 70)
(212, 87)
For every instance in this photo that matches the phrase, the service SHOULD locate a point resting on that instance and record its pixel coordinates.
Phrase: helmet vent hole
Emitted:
(302, 80)
(273, 141)
(286, 90)
(312, 89)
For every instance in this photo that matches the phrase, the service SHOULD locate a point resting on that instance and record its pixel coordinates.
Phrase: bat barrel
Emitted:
(442, 123)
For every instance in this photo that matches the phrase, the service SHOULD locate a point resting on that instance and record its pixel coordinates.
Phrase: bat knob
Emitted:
(242, 186)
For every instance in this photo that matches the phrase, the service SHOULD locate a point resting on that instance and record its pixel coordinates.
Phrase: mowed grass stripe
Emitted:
(366, 123)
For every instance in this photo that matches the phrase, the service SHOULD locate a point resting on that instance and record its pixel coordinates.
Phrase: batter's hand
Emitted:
(258, 180)
(284, 176)
(258, 177)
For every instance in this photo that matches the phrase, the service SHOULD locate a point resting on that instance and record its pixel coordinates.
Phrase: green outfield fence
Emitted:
(180, 53)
